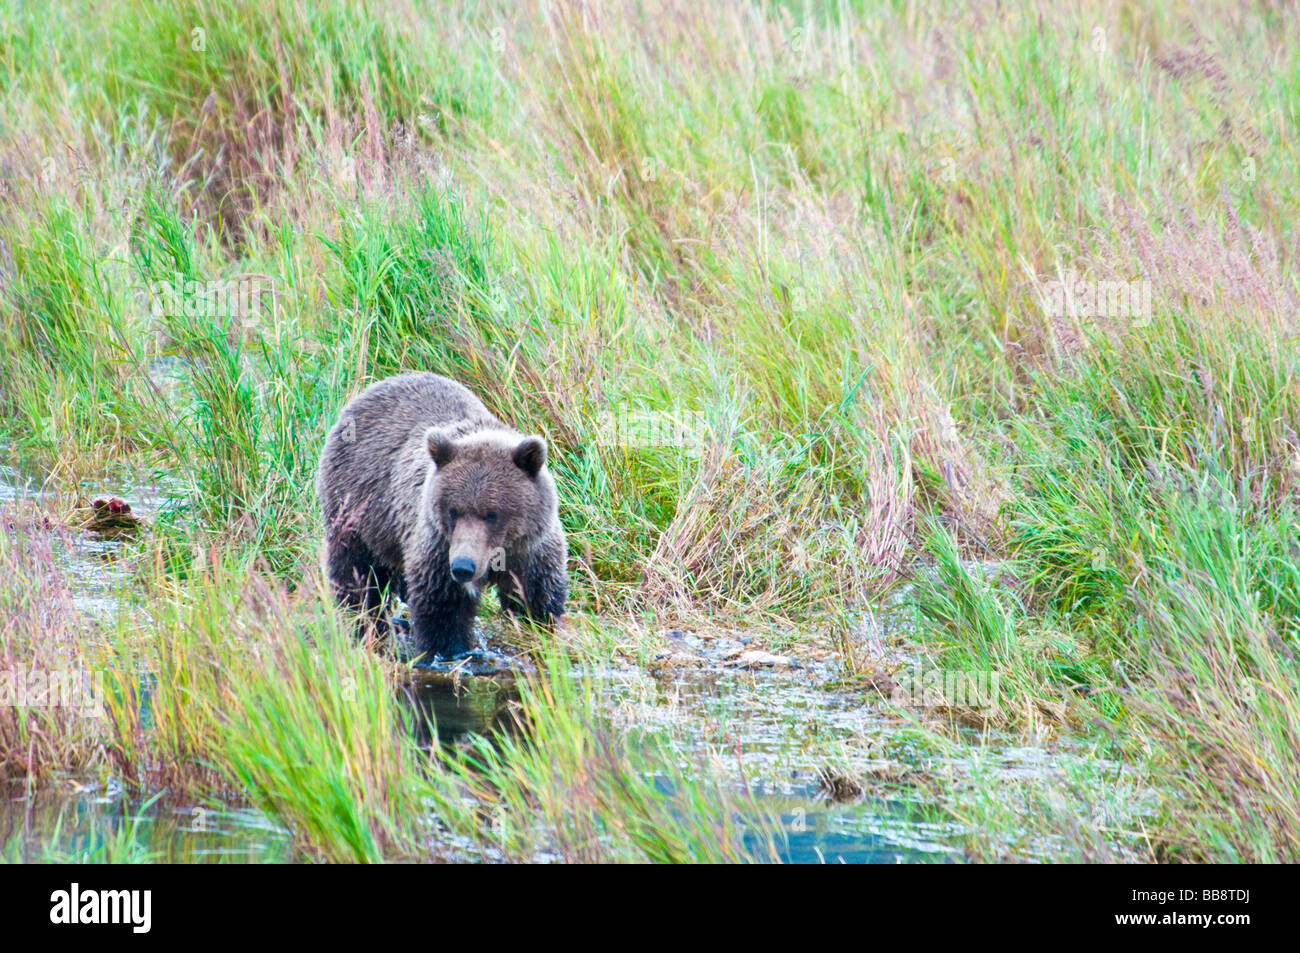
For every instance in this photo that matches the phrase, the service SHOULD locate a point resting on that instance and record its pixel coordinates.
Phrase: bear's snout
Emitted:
(462, 569)
(469, 551)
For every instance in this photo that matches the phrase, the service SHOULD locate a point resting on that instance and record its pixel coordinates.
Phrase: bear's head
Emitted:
(491, 495)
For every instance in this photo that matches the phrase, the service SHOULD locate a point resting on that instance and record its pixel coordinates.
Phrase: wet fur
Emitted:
(387, 505)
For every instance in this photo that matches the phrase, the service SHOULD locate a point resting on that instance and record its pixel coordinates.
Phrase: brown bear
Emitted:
(427, 495)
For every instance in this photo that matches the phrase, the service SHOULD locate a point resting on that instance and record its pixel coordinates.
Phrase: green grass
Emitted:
(813, 236)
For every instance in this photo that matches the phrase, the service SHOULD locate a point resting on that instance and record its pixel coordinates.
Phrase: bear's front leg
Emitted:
(544, 581)
(442, 615)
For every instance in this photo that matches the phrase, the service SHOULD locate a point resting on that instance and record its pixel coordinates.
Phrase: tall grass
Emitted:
(807, 243)
(46, 670)
(242, 691)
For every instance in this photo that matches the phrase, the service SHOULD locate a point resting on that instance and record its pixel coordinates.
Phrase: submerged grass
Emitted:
(776, 283)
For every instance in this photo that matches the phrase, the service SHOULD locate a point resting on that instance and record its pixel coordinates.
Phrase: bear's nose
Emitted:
(462, 569)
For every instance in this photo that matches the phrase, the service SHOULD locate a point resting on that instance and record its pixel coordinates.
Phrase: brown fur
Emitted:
(416, 476)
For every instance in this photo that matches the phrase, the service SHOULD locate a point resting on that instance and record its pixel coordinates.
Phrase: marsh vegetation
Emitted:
(871, 340)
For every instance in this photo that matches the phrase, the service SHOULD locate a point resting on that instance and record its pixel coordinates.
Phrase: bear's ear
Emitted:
(441, 447)
(530, 455)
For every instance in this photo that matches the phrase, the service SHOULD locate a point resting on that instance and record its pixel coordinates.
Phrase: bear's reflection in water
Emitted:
(454, 708)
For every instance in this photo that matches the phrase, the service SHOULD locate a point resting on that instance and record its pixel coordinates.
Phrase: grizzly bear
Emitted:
(426, 495)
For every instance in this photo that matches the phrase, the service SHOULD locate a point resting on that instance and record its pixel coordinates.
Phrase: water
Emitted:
(70, 823)
(782, 730)
(90, 562)
(698, 711)
(66, 821)
(453, 708)
(814, 830)
(791, 741)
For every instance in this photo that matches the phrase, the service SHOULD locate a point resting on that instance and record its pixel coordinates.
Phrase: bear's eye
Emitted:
(453, 514)
(490, 518)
